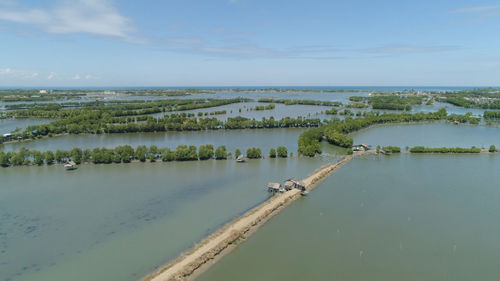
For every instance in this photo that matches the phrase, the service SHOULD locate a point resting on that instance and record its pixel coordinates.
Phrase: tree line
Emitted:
(92, 124)
(127, 154)
(423, 149)
(301, 102)
(336, 131)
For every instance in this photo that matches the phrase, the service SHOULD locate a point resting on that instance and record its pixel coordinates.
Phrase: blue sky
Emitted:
(249, 42)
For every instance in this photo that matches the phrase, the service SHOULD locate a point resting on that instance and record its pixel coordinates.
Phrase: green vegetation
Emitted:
(309, 142)
(491, 115)
(124, 154)
(391, 149)
(237, 153)
(264, 107)
(254, 153)
(221, 153)
(390, 102)
(206, 152)
(422, 149)
(272, 153)
(332, 111)
(301, 102)
(466, 118)
(487, 98)
(335, 137)
(492, 148)
(219, 112)
(92, 124)
(335, 132)
(282, 151)
(356, 105)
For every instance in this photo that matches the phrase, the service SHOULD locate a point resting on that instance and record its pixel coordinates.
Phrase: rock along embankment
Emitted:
(220, 242)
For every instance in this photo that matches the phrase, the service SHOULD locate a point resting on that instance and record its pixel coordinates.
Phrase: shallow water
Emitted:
(8, 125)
(232, 139)
(383, 218)
(430, 135)
(120, 222)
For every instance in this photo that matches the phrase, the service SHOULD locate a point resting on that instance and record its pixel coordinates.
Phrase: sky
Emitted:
(92, 43)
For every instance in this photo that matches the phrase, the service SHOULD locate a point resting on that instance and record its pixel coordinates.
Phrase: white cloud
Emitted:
(88, 77)
(97, 17)
(5, 71)
(51, 76)
(76, 77)
(17, 73)
(476, 9)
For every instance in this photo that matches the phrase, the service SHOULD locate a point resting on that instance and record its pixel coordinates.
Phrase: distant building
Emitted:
(43, 91)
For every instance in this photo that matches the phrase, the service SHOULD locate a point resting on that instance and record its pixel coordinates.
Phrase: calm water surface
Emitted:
(120, 222)
(383, 218)
(232, 139)
(431, 135)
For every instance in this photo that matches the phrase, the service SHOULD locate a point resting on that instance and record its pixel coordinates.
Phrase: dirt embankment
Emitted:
(221, 242)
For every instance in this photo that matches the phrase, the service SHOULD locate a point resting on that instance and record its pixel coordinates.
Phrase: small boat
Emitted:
(240, 159)
(70, 166)
(304, 193)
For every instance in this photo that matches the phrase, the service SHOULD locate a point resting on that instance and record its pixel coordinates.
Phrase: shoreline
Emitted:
(198, 259)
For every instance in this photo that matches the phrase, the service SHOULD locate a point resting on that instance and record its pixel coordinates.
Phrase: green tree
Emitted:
(492, 148)
(254, 153)
(17, 159)
(4, 159)
(206, 152)
(237, 153)
(60, 155)
(272, 153)
(185, 153)
(77, 154)
(140, 153)
(221, 153)
(37, 157)
(282, 151)
(87, 155)
(378, 148)
(168, 155)
(49, 157)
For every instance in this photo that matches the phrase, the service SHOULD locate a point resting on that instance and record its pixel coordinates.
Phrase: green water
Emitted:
(120, 222)
(426, 217)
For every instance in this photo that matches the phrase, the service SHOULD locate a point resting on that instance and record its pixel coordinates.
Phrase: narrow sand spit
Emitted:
(221, 242)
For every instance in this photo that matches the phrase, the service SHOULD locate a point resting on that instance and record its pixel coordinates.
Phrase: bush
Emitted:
(254, 153)
(206, 152)
(272, 153)
(185, 153)
(337, 138)
(282, 152)
(393, 149)
(168, 155)
(422, 149)
(221, 153)
(492, 148)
